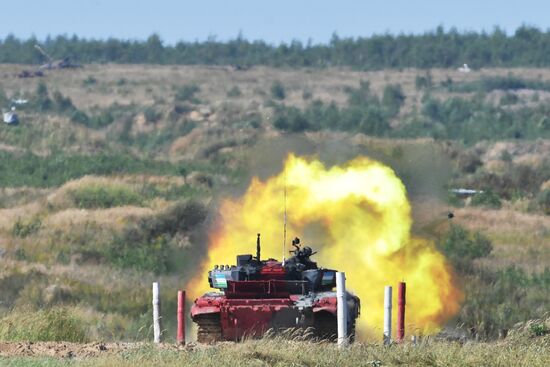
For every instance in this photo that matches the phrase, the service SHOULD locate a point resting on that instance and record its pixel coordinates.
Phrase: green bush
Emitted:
(57, 324)
(186, 93)
(41, 99)
(543, 199)
(423, 82)
(539, 329)
(278, 90)
(146, 245)
(509, 99)
(307, 95)
(80, 117)
(462, 247)
(361, 96)
(151, 114)
(23, 228)
(102, 119)
(496, 301)
(393, 98)
(62, 103)
(154, 255)
(55, 169)
(488, 198)
(89, 81)
(98, 196)
(3, 98)
(291, 120)
(234, 92)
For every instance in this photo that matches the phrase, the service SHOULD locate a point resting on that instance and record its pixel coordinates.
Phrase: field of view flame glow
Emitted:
(357, 216)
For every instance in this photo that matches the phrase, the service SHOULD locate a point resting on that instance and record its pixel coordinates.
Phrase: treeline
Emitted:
(527, 46)
(467, 119)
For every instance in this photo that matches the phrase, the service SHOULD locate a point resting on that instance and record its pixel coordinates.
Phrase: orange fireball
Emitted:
(358, 218)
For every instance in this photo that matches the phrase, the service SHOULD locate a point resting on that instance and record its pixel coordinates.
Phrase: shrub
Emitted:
(469, 162)
(153, 255)
(393, 98)
(487, 198)
(97, 196)
(146, 245)
(291, 119)
(462, 247)
(41, 99)
(90, 80)
(25, 228)
(102, 119)
(373, 122)
(62, 103)
(423, 82)
(234, 92)
(186, 93)
(360, 96)
(543, 199)
(539, 329)
(3, 98)
(31, 170)
(278, 90)
(151, 114)
(495, 301)
(509, 99)
(80, 117)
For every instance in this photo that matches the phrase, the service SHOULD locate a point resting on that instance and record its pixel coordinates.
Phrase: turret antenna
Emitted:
(284, 220)
(258, 248)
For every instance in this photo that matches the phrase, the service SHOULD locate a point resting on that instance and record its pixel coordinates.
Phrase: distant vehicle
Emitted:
(10, 117)
(465, 192)
(19, 101)
(64, 63)
(464, 69)
(30, 74)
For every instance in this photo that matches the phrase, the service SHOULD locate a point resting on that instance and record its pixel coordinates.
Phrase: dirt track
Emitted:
(71, 350)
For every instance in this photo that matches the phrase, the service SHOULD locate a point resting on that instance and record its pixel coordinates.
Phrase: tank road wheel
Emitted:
(210, 328)
(325, 326)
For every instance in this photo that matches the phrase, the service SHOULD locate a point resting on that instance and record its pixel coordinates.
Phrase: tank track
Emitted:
(326, 329)
(210, 328)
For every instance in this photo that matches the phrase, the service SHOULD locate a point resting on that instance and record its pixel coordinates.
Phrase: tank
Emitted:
(256, 295)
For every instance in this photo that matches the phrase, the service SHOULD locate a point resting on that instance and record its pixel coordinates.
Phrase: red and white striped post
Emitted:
(181, 318)
(401, 301)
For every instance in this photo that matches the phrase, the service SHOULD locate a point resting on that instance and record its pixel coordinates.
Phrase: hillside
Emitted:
(113, 175)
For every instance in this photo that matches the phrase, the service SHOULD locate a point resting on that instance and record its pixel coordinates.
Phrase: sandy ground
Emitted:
(73, 350)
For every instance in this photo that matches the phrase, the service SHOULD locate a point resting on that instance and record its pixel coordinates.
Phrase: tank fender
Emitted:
(208, 304)
(196, 311)
(328, 309)
(326, 303)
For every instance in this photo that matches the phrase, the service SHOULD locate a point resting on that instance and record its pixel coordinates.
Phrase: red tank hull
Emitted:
(239, 318)
(257, 296)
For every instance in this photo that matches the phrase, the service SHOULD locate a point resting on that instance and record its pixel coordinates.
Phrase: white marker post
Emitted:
(157, 324)
(342, 309)
(387, 315)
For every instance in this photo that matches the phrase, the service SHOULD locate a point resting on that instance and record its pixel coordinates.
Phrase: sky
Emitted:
(273, 21)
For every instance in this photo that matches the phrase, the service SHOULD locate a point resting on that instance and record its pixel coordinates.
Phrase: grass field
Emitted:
(519, 350)
(111, 183)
